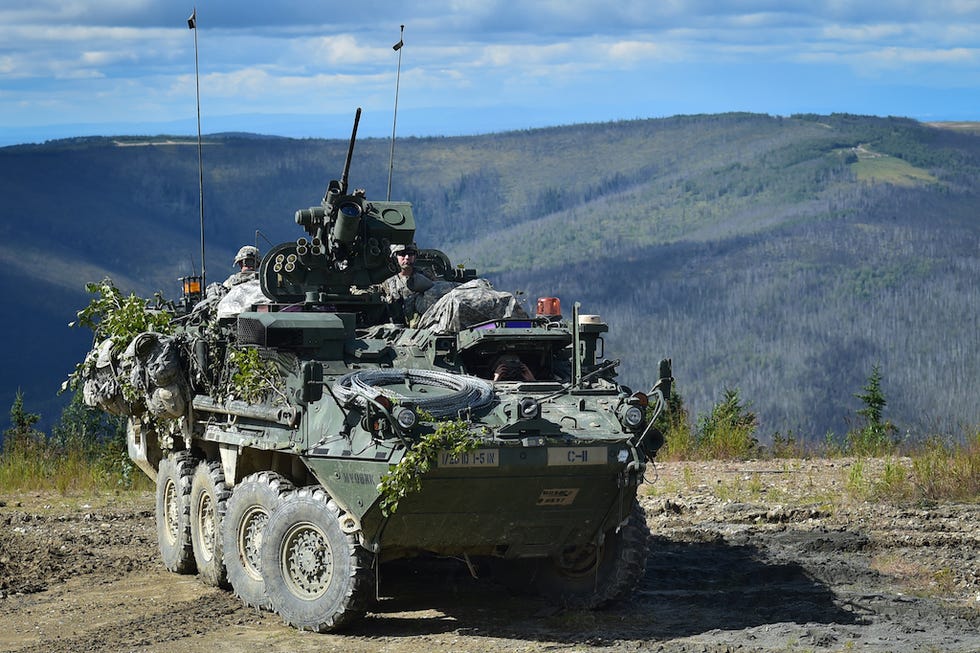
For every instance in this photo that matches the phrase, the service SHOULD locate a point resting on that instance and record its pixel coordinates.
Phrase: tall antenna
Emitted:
(192, 24)
(391, 156)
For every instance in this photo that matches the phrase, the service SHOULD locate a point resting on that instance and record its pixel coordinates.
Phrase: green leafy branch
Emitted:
(253, 377)
(406, 477)
(111, 315)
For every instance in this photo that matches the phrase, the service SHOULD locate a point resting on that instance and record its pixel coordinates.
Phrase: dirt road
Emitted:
(755, 556)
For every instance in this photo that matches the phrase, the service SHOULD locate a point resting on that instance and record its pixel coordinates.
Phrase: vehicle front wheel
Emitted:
(317, 577)
(594, 576)
(173, 512)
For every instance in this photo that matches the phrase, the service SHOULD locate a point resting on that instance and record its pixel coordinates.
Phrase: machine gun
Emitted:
(347, 247)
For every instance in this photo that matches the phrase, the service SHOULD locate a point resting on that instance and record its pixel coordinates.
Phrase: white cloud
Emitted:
(900, 57)
(862, 33)
(522, 56)
(343, 50)
(633, 52)
(138, 55)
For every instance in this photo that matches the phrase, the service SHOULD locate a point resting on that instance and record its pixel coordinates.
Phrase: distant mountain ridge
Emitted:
(781, 256)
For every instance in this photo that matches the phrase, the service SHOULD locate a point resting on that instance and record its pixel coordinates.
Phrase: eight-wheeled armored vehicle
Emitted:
(299, 438)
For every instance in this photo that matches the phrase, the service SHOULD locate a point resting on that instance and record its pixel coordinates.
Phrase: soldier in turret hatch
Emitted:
(247, 261)
(402, 290)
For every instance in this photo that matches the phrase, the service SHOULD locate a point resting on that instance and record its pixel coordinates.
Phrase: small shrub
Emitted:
(728, 431)
(936, 471)
(675, 423)
(87, 453)
(856, 483)
(253, 378)
(787, 446)
(894, 482)
(948, 471)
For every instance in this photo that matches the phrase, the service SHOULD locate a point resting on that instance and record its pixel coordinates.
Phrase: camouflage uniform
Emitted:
(401, 292)
(239, 277)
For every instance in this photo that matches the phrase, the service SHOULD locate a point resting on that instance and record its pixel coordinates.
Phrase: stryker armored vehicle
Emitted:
(299, 443)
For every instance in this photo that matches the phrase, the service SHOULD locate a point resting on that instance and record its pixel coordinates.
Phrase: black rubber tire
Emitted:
(248, 510)
(317, 577)
(209, 497)
(593, 579)
(173, 512)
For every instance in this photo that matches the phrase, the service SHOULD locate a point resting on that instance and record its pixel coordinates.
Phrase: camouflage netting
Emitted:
(150, 367)
(470, 303)
(426, 300)
(240, 298)
(101, 388)
(156, 371)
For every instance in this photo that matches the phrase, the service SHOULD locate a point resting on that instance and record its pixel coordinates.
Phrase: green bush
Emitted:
(728, 431)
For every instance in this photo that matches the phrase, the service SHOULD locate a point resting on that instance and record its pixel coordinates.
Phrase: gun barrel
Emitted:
(350, 151)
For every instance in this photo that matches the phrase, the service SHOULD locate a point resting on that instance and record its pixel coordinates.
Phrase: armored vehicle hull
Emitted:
(300, 440)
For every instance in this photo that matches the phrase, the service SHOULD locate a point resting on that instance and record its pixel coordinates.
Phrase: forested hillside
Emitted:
(784, 257)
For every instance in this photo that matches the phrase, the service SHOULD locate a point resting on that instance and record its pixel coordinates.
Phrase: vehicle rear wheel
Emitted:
(317, 577)
(248, 510)
(592, 577)
(173, 510)
(209, 496)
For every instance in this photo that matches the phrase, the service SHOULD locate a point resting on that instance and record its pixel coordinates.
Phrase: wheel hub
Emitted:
(578, 560)
(207, 525)
(171, 511)
(250, 541)
(307, 561)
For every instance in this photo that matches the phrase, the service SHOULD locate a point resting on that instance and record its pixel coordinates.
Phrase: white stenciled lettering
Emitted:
(577, 456)
(477, 458)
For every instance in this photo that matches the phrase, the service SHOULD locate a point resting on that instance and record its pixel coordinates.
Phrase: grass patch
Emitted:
(935, 470)
(45, 467)
(881, 168)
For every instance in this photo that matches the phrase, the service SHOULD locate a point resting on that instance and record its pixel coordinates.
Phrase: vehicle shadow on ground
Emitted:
(688, 588)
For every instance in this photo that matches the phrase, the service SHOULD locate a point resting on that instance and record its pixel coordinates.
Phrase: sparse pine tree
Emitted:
(873, 399)
(21, 435)
(877, 435)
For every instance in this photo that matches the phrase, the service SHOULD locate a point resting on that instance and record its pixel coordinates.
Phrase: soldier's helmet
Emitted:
(403, 249)
(248, 253)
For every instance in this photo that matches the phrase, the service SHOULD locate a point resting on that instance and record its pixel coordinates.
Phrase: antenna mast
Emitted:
(391, 156)
(192, 24)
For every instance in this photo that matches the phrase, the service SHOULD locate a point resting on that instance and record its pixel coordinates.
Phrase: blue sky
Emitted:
(301, 67)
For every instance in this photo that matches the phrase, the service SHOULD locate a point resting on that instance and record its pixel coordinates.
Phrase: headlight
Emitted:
(528, 408)
(406, 418)
(632, 417)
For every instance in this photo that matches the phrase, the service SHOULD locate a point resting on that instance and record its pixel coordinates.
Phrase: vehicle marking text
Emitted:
(557, 496)
(577, 456)
(476, 458)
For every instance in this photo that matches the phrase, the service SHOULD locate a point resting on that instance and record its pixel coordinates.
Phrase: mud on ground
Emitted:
(751, 556)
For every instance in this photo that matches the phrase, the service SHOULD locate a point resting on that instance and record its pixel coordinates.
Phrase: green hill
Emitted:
(781, 256)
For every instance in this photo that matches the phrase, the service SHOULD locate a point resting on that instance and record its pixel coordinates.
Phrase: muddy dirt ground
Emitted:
(749, 556)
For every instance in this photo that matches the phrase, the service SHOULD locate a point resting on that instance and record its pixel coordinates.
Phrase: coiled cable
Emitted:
(466, 391)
